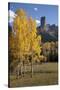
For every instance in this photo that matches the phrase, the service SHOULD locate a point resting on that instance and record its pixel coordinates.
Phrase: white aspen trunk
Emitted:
(32, 67)
(21, 68)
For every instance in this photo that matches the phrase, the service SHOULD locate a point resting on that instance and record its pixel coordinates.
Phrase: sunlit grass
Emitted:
(44, 74)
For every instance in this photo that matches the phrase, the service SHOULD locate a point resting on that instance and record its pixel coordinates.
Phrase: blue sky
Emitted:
(38, 10)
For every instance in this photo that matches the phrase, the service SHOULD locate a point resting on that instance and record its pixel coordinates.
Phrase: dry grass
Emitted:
(44, 74)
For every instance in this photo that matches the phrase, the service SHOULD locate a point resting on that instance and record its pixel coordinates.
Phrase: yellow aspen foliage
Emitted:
(34, 39)
(26, 34)
(11, 44)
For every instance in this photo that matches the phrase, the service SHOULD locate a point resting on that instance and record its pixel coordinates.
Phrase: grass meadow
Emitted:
(44, 74)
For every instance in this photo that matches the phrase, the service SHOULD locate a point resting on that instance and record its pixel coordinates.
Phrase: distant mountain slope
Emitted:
(48, 37)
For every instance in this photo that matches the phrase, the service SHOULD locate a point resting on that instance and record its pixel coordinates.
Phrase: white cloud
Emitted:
(11, 20)
(11, 16)
(35, 9)
(37, 22)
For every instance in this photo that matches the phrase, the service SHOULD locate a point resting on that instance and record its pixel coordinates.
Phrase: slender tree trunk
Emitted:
(32, 68)
(21, 68)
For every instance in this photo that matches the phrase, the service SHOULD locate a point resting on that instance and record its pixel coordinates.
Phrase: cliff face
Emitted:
(48, 35)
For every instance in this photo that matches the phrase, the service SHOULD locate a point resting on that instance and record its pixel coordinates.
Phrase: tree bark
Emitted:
(32, 68)
(21, 68)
